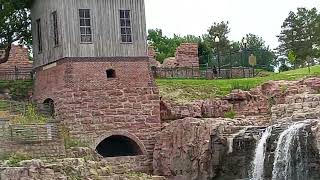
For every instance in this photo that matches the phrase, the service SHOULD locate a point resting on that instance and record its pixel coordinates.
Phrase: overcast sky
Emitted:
(260, 17)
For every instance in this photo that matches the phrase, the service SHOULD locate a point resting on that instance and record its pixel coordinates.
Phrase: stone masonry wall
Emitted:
(94, 107)
(18, 58)
(52, 148)
(152, 57)
(32, 140)
(187, 55)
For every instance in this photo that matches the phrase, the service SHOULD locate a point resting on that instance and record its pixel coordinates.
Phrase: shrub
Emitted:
(15, 158)
(230, 114)
(70, 142)
(31, 116)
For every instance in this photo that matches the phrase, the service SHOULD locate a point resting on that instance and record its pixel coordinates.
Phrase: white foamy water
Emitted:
(257, 172)
(288, 158)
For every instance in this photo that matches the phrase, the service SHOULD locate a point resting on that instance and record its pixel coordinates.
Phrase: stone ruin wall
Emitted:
(94, 107)
(19, 59)
(186, 56)
(152, 57)
(32, 140)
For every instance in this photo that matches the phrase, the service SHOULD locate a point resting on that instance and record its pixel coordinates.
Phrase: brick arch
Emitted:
(120, 133)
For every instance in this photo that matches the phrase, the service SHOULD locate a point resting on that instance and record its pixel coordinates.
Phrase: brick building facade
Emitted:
(104, 96)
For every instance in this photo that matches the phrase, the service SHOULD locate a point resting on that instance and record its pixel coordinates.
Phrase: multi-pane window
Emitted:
(39, 35)
(125, 26)
(55, 28)
(85, 26)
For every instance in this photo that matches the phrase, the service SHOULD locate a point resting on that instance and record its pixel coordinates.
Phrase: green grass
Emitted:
(186, 90)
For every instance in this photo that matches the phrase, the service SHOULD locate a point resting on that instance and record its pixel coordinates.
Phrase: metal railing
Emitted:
(202, 73)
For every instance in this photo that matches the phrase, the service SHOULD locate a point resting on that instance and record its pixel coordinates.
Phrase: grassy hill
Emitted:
(185, 90)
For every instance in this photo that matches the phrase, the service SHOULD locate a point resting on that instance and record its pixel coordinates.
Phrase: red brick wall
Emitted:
(91, 105)
(18, 57)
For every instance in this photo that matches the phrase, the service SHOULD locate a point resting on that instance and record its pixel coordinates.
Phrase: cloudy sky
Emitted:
(261, 17)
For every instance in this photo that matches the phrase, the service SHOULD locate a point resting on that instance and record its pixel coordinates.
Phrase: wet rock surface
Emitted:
(197, 148)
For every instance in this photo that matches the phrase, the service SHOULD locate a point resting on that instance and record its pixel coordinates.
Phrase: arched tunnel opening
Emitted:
(116, 146)
(49, 106)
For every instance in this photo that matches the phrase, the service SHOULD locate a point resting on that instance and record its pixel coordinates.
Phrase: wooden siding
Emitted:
(43, 11)
(105, 20)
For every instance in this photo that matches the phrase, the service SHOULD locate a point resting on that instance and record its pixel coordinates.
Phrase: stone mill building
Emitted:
(91, 62)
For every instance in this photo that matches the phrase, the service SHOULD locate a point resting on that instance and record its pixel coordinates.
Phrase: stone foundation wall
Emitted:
(41, 149)
(94, 107)
(31, 140)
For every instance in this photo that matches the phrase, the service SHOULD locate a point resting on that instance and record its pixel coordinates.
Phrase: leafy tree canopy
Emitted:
(300, 35)
(165, 46)
(15, 24)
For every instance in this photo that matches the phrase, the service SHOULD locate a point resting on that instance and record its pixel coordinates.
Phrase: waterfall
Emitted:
(257, 172)
(231, 139)
(289, 161)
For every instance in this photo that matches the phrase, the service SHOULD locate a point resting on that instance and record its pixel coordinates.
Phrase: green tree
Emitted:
(265, 56)
(292, 57)
(166, 47)
(300, 34)
(15, 24)
(220, 30)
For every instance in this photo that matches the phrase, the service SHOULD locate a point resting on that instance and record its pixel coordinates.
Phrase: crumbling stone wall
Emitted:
(31, 140)
(152, 57)
(187, 55)
(18, 59)
(91, 105)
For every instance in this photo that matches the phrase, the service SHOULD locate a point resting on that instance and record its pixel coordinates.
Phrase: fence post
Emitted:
(192, 71)
(171, 72)
(206, 73)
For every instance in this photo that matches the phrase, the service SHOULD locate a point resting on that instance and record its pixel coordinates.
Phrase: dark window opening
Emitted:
(39, 35)
(125, 26)
(49, 107)
(55, 28)
(111, 73)
(85, 26)
(116, 146)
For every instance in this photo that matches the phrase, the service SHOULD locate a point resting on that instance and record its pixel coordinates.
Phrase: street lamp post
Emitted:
(230, 61)
(244, 42)
(217, 40)
(294, 33)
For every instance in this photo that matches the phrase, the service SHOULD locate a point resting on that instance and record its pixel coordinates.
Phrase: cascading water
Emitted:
(231, 139)
(260, 154)
(289, 162)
